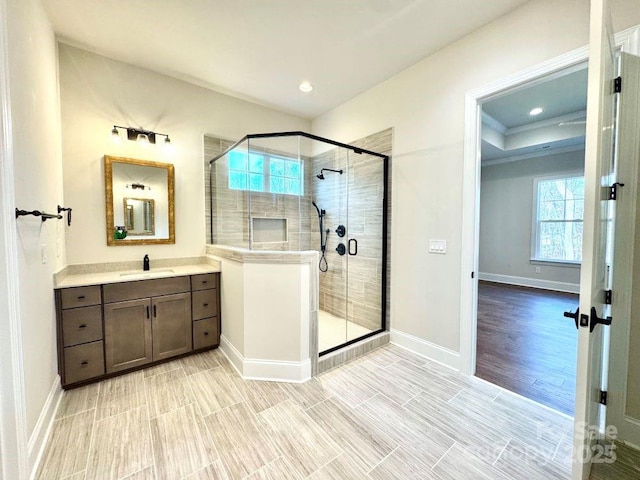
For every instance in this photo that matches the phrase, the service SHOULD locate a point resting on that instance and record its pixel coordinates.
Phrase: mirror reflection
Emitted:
(139, 201)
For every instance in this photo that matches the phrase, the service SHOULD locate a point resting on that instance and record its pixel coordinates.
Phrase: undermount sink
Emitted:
(147, 274)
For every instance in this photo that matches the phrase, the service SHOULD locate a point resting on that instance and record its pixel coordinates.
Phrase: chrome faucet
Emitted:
(145, 263)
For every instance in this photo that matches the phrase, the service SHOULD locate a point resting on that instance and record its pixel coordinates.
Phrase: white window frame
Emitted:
(535, 258)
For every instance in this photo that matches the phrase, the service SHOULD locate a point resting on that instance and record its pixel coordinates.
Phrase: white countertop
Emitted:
(98, 278)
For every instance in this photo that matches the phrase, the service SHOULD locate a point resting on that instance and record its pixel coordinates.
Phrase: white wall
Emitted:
(425, 106)
(37, 169)
(506, 211)
(96, 93)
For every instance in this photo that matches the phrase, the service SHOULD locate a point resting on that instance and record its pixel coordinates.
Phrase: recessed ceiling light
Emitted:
(536, 111)
(305, 87)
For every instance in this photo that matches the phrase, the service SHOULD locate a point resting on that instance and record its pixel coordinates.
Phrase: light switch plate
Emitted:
(438, 246)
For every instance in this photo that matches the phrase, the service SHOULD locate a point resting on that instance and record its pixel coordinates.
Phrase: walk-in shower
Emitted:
(293, 191)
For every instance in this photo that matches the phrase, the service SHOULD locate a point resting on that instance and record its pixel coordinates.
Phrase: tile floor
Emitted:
(334, 331)
(387, 415)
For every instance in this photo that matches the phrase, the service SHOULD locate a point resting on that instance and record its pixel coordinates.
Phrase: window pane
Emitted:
(575, 188)
(237, 180)
(256, 163)
(574, 209)
(276, 167)
(277, 185)
(237, 161)
(551, 210)
(256, 182)
(560, 241)
(291, 187)
(549, 190)
(292, 169)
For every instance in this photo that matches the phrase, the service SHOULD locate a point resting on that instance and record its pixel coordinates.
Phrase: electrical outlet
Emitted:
(537, 269)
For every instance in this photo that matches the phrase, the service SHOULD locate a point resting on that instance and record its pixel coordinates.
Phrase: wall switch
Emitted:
(44, 253)
(537, 269)
(438, 246)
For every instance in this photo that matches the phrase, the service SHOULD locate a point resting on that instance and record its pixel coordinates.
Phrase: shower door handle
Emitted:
(353, 243)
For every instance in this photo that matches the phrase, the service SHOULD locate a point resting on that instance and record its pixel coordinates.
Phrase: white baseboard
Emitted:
(426, 349)
(531, 282)
(272, 370)
(42, 430)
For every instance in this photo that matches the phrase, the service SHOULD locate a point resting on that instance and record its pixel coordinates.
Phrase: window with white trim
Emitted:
(261, 172)
(558, 213)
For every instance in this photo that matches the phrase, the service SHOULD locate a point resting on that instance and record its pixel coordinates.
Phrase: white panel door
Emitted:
(623, 405)
(598, 222)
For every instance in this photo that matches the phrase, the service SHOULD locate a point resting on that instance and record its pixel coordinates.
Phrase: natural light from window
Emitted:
(258, 172)
(558, 214)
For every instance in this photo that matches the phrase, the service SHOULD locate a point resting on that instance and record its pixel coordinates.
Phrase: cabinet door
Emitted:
(171, 325)
(127, 327)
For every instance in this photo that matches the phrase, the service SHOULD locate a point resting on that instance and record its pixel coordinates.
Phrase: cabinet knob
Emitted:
(204, 282)
(82, 326)
(205, 304)
(81, 297)
(206, 333)
(84, 363)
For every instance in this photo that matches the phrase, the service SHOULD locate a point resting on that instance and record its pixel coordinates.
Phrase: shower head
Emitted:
(320, 176)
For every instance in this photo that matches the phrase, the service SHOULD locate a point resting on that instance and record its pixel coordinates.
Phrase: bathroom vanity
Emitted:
(114, 322)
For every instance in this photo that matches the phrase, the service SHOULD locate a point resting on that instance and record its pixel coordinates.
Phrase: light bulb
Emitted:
(306, 87)
(143, 139)
(115, 136)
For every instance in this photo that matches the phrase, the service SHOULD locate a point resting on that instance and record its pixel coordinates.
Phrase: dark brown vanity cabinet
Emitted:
(104, 329)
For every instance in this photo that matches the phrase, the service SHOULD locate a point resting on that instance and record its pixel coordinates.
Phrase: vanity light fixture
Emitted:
(138, 186)
(144, 137)
(536, 111)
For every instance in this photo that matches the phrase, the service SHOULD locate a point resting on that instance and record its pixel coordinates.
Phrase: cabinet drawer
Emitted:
(80, 296)
(83, 362)
(205, 333)
(204, 304)
(81, 325)
(118, 292)
(204, 281)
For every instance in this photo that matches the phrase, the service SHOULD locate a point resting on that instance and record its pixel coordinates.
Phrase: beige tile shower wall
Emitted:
(361, 299)
(230, 219)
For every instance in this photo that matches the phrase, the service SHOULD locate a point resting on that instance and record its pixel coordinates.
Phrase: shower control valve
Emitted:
(341, 249)
(341, 231)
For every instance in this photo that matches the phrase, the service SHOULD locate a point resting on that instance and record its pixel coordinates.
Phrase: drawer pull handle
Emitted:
(205, 304)
(206, 333)
(204, 282)
(81, 297)
(84, 363)
(82, 326)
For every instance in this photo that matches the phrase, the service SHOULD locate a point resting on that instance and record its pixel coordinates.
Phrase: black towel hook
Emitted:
(68, 210)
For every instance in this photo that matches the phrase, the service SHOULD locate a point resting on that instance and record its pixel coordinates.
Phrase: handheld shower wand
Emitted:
(322, 265)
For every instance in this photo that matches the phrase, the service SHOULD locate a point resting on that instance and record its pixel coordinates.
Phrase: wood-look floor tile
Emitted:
(223, 360)
(466, 431)
(564, 453)
(349, 388)
(213, 390)
(121, 445)
(279, 469)
(523, 461)
(161, 368)
(354, 433)
(417, 437)
(555, 420)
(434, 385)
(240, 440)
(342, 467)
(401, 465)
(215, 471)
(146, 474)
(78, 400)
(306, 394)
(120, 394)
(167, 391)
(512, 423)
(200, 362)
(259, 395)
(67, 449)
(404, 354)
(458, 463)
(178, 446)
(397, 388)
(298, 437)
(77, 476)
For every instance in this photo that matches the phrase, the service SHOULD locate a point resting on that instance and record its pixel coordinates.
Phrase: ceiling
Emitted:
(510, 133)
(260, 50)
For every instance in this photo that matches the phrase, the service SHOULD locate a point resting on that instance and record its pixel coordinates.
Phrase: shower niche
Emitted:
(294, 191)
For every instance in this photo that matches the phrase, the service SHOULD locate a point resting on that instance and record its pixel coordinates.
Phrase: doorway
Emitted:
(530, 233)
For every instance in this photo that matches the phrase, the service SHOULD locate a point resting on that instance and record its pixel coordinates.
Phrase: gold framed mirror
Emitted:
(139, 201)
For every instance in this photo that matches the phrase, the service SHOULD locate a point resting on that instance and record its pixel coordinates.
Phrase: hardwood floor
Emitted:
(526, 345)
(387, 415)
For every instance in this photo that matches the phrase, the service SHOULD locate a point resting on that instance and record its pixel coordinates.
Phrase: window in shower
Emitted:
(265, 173)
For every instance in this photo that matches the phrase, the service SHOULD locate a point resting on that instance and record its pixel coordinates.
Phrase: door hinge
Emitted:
(611, 193)
(603, 397)
(608, 297)
(617, 85)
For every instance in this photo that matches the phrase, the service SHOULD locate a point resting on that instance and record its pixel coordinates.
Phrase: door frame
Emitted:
(627, 41)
